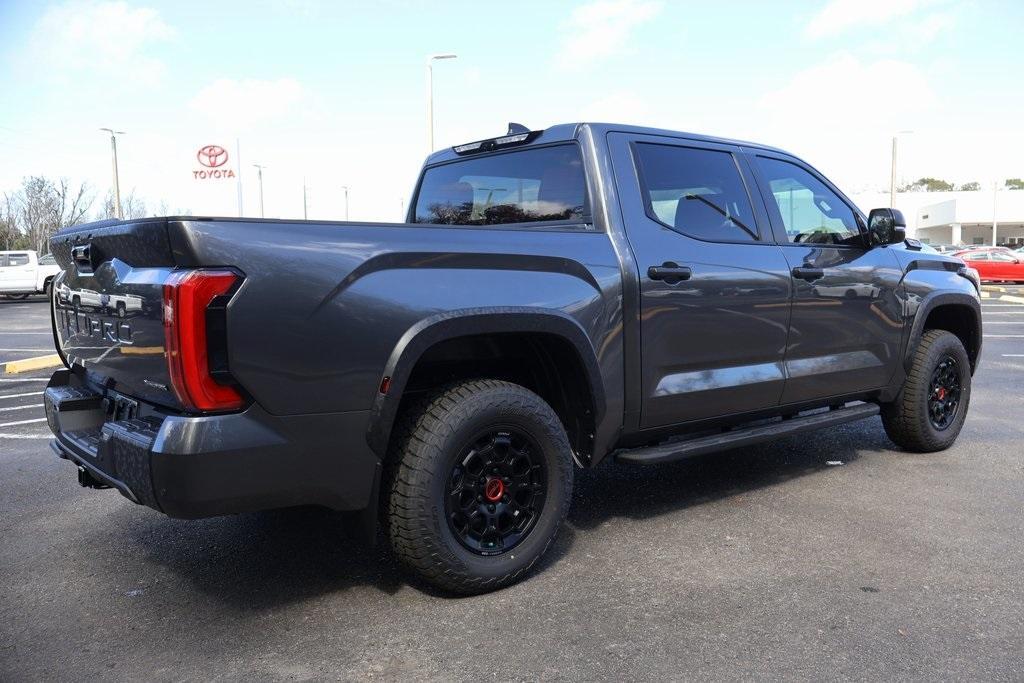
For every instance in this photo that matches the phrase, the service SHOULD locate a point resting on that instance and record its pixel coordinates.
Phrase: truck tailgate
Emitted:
(107, 306)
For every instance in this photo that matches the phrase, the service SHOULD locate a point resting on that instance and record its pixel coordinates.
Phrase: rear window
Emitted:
(532, 185)
(17, 259)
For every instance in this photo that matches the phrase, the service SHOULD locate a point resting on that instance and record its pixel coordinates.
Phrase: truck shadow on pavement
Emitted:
(269, 559)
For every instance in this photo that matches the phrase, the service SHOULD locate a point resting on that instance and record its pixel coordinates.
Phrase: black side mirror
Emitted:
(886, 226)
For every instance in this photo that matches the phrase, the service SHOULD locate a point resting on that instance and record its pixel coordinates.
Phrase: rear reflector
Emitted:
(187, 295)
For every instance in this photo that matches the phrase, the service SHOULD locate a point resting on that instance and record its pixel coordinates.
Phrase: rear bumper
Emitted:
(192, 467)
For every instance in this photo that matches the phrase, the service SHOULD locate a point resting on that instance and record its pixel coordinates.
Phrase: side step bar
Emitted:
(678, 450)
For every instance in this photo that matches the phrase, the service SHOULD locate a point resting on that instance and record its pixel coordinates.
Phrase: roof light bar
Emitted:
(515, 138)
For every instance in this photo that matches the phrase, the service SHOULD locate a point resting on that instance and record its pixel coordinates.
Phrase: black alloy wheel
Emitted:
(496, 491)
(944, 393)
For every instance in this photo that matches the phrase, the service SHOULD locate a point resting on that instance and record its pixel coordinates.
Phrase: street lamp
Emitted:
(430, 98)
(259, 176)
(345, 187)
(892, 178)
(117, 181)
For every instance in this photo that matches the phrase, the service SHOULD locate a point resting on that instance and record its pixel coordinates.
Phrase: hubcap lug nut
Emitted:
(491, 508)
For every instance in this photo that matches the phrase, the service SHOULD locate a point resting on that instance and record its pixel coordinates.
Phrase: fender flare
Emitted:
(469, 322)
(929, 303)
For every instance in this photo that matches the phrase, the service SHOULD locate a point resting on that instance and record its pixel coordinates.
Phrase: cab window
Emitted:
(527, 186)
(698, 192)
(809, 210)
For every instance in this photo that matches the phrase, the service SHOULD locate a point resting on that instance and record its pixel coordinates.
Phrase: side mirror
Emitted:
(886, 226)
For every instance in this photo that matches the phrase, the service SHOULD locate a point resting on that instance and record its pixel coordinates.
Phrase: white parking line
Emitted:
(26, 379)
(26, 436)
(1003, 336)
(23, 422)
(47, 333)
(35, 350)
(31, 393)
(34, 405)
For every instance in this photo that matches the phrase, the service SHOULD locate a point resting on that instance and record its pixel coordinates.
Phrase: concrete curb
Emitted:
(27, 364)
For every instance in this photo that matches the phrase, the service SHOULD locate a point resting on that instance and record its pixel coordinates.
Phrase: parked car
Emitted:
(995, 263)
(554, 299)
(23, 273)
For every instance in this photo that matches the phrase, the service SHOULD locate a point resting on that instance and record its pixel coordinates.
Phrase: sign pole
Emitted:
(238, 182)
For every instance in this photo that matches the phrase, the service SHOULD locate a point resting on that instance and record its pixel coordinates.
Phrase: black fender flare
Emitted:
(929, 303)
(466, 322)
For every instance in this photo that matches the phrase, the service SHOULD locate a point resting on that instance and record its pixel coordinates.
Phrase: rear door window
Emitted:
(527, 186)
(698, 192)
(17, 259)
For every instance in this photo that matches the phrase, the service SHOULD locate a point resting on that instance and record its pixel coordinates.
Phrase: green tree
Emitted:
(972, 186)
(1015, 183)
(928, 185)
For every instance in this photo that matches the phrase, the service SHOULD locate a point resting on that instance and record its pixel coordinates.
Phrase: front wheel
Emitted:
(930, 410)
(480, 482)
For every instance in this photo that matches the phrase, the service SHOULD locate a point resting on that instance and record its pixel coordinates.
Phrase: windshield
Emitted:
(540, 184)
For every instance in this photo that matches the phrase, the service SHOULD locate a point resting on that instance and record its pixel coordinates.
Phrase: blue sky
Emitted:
(334, 91)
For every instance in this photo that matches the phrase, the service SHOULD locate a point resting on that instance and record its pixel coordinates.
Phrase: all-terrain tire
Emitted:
(908, 420)
(430, 439)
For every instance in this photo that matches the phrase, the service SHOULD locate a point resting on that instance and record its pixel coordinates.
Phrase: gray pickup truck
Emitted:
(555, 298)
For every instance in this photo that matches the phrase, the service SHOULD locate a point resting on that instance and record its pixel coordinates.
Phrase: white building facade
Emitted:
(957, 217)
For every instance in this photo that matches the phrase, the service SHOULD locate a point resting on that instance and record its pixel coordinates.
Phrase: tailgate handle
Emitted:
(81, 256)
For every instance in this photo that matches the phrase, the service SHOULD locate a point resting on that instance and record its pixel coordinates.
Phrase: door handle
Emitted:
(808, 273)
(670, 272)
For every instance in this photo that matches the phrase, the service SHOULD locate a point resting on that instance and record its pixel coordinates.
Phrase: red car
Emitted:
(995, 263)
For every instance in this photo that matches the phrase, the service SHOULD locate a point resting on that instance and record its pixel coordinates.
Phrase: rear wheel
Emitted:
(931, 408)
(480, 482)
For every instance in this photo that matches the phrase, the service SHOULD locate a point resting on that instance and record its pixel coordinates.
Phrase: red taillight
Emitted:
(187, 295)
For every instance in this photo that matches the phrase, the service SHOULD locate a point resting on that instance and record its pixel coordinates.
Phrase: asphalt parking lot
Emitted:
(764, 562)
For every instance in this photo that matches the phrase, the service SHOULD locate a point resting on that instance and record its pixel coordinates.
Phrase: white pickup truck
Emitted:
(24, 272)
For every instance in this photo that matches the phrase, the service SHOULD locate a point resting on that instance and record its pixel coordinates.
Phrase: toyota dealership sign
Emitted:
(213, 163)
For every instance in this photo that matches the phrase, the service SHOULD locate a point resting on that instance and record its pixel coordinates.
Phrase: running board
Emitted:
(678, 450)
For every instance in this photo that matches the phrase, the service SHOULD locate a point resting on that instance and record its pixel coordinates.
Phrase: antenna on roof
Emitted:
(514, 128)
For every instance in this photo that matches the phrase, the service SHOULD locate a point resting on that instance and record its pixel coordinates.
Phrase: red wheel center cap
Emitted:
(942, 393)
(494, 490)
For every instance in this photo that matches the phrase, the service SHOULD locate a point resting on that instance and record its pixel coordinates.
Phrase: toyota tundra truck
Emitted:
(555, 299)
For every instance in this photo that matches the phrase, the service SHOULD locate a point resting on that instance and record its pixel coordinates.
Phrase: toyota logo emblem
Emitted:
(212, 156)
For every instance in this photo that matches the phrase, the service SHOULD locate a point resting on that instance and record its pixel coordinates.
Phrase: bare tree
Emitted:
(9, 232)
(132, 206)
(41, 207)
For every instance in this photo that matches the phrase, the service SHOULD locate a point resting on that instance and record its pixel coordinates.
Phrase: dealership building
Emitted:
(958, 217)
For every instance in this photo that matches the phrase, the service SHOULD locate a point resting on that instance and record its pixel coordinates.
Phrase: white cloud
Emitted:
(600, 29)
(248, 101)
(847, 109)
(105, 38)
(839, 15)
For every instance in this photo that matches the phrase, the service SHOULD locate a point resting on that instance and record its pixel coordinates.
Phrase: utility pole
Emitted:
(345, 187)
(305, 212)
(430, 98)
(117, 180)
(995, 221)
(892, 178)
(259, 177)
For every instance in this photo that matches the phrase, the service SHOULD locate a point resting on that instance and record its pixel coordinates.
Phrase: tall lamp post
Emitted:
(892, 178)
(259, 177)
(430, 98)
(345, 187)
(117, 180)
